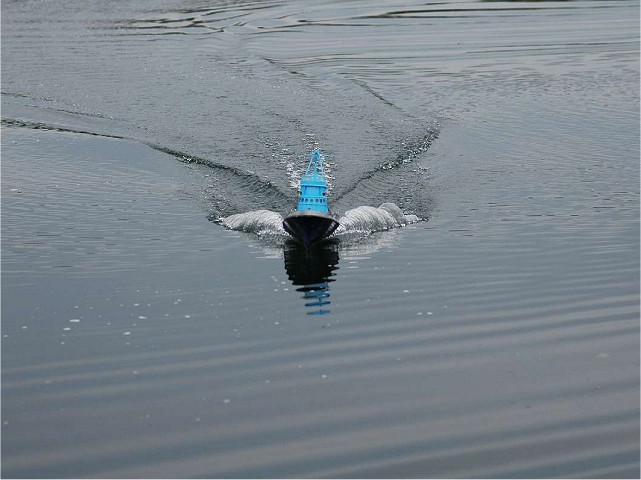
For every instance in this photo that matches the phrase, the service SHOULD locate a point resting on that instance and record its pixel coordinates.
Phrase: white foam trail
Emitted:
(260, 222)
(359, 220)
(367, 219)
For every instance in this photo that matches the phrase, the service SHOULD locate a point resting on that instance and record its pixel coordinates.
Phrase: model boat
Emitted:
(311, 222)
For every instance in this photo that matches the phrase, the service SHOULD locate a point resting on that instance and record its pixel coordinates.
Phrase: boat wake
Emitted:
(260, 222)
(357, 222)
(368, 220)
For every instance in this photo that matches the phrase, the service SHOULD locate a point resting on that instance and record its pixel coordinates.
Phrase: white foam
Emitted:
(368, 219)
(259, 222)
(364, 219)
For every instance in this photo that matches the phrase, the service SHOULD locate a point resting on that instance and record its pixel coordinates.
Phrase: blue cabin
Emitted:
(313, 186)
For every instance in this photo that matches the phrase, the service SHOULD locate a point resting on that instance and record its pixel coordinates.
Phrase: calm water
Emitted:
(497, 337)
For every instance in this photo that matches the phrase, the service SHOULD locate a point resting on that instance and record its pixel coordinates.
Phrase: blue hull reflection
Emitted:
(312, 269)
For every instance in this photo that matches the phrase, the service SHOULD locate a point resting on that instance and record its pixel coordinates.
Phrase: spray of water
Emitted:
(359, 221)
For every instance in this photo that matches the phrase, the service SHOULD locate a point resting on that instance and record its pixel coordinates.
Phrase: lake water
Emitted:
(497, 337)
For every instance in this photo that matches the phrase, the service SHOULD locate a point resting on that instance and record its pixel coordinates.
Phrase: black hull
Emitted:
(309, 227)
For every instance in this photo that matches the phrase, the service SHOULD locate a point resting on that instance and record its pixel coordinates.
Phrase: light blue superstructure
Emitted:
(313, 186)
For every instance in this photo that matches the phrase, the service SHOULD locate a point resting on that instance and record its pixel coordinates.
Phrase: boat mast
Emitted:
(313, 186)
(315, 166)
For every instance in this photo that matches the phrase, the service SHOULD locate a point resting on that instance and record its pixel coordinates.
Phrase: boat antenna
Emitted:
(315, 166)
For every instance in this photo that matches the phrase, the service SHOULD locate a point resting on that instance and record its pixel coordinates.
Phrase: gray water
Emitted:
(496, 337)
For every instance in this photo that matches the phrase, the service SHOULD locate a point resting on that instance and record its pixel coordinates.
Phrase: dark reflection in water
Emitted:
(311, 270)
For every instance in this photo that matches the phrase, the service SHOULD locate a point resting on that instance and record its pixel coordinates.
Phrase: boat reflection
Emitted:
(311, 270)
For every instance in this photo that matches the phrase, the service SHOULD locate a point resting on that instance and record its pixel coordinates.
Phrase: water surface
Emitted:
(496, 337)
